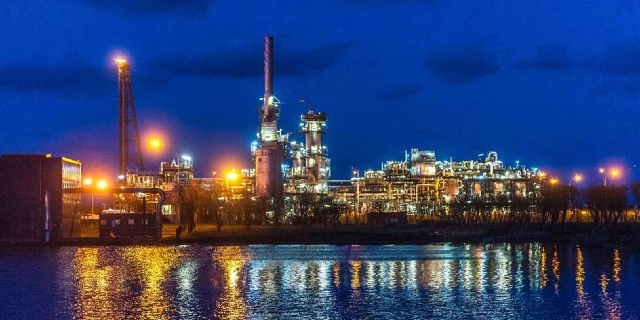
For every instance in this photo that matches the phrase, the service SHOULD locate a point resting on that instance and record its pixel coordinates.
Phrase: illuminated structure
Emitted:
(421, 185)
(34, 206)
(269, 151)
(310, 168)
(176, 171)
(126, 121)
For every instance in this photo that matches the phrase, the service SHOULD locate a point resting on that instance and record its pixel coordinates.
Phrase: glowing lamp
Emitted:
(102, 184)
(155, 143)
(232, 175)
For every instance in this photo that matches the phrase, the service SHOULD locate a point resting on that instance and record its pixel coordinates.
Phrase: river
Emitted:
(443, 281)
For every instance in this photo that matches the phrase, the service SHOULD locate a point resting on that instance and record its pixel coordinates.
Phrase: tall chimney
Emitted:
(268, 71)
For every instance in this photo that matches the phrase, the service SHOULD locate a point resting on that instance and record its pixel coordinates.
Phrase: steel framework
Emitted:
(126, 121)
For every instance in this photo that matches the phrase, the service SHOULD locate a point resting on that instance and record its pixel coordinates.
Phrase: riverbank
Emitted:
(624, 235)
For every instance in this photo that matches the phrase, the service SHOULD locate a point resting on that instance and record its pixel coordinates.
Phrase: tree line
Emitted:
(551, 204)
(554, 203)
(216, 205)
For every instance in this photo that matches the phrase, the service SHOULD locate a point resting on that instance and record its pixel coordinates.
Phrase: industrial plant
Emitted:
(289, 179)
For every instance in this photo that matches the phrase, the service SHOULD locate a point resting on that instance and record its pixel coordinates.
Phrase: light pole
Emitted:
(577, 178)
(614, 174)
(230, 176)
(156, 144)
(357, 211)
(88, 182)
(604, 183)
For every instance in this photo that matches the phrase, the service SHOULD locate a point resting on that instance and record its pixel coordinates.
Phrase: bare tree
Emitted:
(607, 204)
(190, 198)
(276, 202)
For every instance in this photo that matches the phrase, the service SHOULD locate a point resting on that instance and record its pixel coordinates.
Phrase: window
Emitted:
(131, 221)
(103, 222)
(117, 221)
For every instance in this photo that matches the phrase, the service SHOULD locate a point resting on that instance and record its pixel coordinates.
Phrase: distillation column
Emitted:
(317, 162)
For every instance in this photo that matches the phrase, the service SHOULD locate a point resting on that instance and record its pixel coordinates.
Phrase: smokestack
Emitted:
(268, 70)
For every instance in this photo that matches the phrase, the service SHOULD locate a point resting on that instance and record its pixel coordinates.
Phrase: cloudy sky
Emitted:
(554, 84)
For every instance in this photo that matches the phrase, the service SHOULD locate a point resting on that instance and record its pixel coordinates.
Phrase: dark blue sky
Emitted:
(552, 84)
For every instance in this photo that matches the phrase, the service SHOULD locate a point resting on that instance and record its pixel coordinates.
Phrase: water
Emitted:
(497, 281)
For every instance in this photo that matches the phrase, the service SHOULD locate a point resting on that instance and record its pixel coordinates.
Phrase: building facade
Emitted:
(33, 204)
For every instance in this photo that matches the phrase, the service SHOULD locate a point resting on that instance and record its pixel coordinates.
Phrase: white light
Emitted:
(186, 158)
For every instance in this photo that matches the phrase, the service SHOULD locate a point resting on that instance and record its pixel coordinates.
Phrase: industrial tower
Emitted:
(268, 151)
(310, 168)
(127, 121)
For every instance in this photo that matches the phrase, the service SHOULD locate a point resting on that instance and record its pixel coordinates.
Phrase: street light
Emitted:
(231, 176)
(554, 181)
(102, 184)
(157, 144)
(613, 172)
(577, 178)
(88, 183)
(357, 211)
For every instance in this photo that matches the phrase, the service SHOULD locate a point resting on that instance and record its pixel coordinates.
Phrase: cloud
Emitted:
(247, 62)
(552, 58)
(619, 60)
(399, 93)
(68, 77)
(461, 63)
(131, 8)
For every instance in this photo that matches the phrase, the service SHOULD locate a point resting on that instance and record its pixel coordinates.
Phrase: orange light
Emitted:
(102, 184)
(577, 178)
(155, 143)
(554, 181)
(232, 175)
(614, 172)
(88, 181)
(120, 60)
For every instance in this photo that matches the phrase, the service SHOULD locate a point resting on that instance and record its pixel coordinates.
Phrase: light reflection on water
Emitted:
(497, 281)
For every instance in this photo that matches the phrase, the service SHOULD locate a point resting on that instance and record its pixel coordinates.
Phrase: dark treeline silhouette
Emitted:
(200, 204)
(551, 204)
(555, 203)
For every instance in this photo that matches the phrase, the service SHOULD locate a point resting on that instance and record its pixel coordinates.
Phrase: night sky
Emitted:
(554, 84)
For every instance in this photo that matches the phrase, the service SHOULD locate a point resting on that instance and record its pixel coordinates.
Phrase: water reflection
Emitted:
(231, 260)
(122, 283)
(555, 263)
(262, 282)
